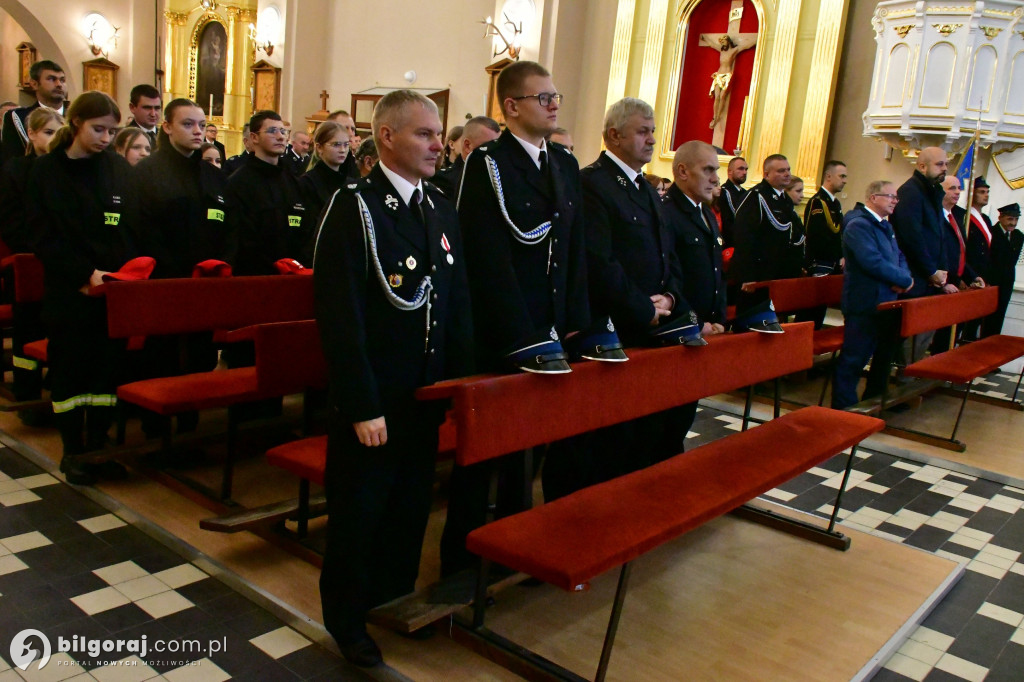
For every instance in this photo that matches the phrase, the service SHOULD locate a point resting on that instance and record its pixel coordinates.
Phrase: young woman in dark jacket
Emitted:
(80, 204)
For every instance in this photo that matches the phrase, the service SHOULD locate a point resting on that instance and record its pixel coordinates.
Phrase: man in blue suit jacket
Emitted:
(876, 272)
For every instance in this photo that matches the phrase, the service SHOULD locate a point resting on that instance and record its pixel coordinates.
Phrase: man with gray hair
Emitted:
(392, 306)
(875, 271)
(477, 131)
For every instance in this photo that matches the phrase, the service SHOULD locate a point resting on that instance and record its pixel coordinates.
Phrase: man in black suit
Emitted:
(917, 223)
(698, 245)
(392, 305)
(477, 131)
(732, 195)
(764, 234)
(634, 278)
(521, 209)
(48, 80)
(979, 230)
(211, 137)
(1007, 241)
(145, 106)
(296, 155)
(960, 274)
(238, 160)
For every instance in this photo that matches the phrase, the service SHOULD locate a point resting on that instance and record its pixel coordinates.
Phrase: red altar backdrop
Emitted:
(695, 107)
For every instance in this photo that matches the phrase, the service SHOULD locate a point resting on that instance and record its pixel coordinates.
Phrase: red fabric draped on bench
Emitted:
(576, 538)
(653, 380)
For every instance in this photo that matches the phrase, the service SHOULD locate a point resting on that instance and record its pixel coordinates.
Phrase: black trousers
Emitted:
(378, 502)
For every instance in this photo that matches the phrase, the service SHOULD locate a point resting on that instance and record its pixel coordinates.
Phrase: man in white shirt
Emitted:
(48, 80)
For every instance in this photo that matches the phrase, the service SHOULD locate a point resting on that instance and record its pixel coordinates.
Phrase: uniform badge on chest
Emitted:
(395, 281)
(391, 202)
(720, 242)
(410, 263)
(447, 248)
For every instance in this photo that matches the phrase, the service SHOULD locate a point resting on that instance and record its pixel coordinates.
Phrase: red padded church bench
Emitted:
(958, 366)
(574, 539)
(801, 293)
(26, 280)
(184, 306)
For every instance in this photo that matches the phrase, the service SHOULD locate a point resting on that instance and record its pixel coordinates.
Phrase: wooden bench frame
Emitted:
(25, 273)
(928, 313)
(653, 380)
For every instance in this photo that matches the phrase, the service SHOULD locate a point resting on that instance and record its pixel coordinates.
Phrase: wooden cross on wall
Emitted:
(323, 100)
(729, 45)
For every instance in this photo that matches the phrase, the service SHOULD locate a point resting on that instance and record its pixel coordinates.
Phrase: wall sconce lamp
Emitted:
(99, 33)
(510, 37)
(264, 36)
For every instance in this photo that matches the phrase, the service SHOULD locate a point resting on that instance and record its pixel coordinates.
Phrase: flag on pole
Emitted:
(966, 168)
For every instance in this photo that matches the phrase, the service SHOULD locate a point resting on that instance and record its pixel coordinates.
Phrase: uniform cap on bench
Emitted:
(760, 318)
(290, 266)
(211, 268)
(135, 269)
(599, 342)
(540, 353)
(681, 329)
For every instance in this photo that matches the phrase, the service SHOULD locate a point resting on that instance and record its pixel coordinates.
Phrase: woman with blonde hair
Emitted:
(133, 144)
(42, 125)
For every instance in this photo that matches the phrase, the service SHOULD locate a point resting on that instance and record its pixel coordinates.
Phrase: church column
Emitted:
(620, 51)
(174, 58)
(818, 108)
(654, 44)
(777, 87)
(237, 93)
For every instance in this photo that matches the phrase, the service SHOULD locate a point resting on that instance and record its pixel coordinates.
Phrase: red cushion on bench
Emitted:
(200, 391)
(827, 340)
(306, 458)
(964, 363)
(37, 350)
(573, 539)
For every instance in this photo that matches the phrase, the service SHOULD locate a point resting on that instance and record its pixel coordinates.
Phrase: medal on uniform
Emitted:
(395, 281)
(448, 249)
(410, 263)
(622, 181)
(720, 242)
(391, 202)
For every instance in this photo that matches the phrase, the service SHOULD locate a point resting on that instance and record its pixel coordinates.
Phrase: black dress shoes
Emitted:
(76, 472)
(363, 652)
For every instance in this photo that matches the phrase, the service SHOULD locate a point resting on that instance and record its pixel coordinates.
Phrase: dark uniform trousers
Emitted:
(378, 353)
(519, 291)
(1006, 248)
(871, 336)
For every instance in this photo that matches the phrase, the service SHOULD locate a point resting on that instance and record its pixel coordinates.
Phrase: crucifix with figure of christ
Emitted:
(729, 45)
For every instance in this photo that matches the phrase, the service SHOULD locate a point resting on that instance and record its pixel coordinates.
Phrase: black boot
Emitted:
(75, 471)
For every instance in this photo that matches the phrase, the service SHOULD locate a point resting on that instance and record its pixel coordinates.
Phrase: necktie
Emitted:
(414, 203)
(963, 249)
(543, 163)
(638, 179)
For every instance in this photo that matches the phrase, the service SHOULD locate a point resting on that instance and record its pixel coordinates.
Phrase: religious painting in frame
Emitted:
(100, 74)
(266, 88)
(718, 61)
(208, 59)
(26, 58)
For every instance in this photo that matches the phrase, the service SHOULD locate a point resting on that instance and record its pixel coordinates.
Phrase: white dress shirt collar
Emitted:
(630, 173)
(532, 149)
(401, 185)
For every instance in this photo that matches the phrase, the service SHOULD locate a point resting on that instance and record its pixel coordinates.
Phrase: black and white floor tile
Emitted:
(69, 568)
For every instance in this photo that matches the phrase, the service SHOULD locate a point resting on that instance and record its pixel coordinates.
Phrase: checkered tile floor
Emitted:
(977, 632)
(68, 567)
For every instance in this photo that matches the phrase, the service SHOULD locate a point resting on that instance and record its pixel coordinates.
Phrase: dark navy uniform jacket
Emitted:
(874, 263)
(629, 248)
(823, 221)
(698, 246)
(765, 234)
(378, 354)
(730, 200)
(522, 290)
